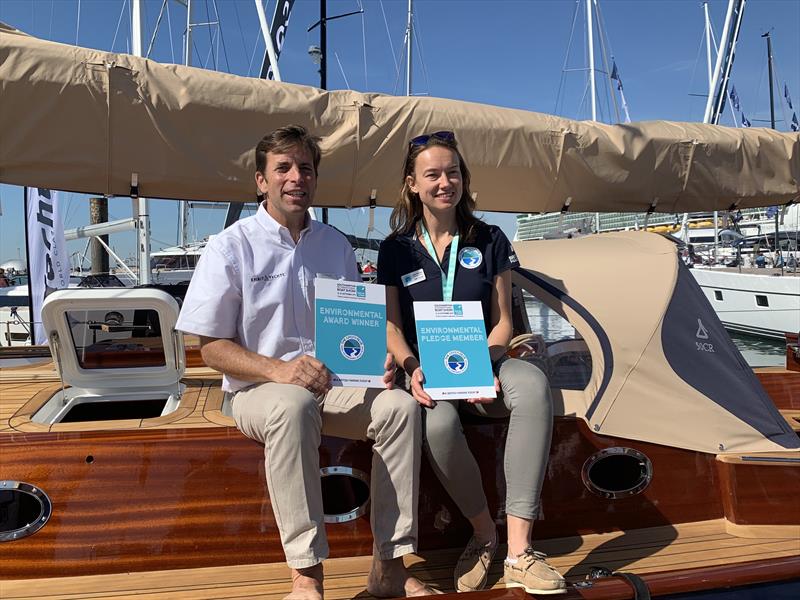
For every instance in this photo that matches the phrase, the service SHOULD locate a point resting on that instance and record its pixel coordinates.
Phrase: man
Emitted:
(251, 301)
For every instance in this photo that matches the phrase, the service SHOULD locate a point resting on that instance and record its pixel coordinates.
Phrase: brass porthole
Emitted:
(345, 493)
(617, 472)
(24, 510)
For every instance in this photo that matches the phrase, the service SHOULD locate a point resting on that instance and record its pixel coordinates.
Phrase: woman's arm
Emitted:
(501, 330)
(398, 346)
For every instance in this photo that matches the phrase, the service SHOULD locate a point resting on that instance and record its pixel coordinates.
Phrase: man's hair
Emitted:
(284, 139)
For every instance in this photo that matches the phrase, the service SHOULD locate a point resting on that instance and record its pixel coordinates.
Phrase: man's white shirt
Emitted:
(254, 285)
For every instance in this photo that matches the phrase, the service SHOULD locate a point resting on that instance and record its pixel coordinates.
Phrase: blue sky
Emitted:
(506, 53)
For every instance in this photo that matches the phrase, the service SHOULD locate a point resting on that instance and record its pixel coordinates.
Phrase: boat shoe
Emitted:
(473, 565)
(532, 572)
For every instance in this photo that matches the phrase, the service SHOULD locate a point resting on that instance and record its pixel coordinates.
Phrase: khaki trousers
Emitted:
(289, 420)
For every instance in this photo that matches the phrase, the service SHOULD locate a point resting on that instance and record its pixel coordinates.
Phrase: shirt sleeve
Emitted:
(503, 253)
(214, 298)
(387, 266)
(351, 267)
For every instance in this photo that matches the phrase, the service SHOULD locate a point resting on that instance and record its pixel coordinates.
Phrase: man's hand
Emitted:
(417, 379)
(388, 372)
(305, 371)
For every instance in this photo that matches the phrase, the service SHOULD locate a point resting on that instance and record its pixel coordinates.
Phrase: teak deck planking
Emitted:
(658, 549)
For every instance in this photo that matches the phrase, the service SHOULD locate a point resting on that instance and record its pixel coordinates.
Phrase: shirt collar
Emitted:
(276, 229)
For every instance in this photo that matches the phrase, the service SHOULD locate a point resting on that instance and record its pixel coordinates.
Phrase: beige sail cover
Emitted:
(657, 376)
(83, 120)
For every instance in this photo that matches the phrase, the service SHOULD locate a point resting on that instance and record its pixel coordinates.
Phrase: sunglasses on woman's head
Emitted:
(421, 140)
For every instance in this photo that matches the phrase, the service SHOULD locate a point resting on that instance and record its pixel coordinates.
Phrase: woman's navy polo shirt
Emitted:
(480, 260)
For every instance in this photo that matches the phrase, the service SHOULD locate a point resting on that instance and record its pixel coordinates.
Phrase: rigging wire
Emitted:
(211, 38)
(169, 26)
(50, 30)
(777, 83)
(119, 22)
(341, 70)
(155, 30)
(418, 39)
(241, 36)
(360, 5)
(696, 62)
(563, 81)
(77, 23)
(601, 27)
(391, 45)
(221, 38)
(255, 44)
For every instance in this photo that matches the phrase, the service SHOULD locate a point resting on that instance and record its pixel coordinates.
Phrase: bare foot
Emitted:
(306, 584)
(391, 579)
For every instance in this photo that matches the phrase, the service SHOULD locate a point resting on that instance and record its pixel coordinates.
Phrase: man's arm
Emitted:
(234, 360)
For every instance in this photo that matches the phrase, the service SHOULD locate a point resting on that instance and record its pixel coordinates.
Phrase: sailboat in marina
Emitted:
(749, 300)
(122, 472)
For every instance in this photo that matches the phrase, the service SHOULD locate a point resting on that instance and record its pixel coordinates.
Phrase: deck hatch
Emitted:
(115, 338)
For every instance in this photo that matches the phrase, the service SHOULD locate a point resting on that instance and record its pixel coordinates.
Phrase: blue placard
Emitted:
(350, 331)
(454, 353)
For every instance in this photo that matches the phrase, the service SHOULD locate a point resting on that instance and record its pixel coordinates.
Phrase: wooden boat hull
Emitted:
(167, 499)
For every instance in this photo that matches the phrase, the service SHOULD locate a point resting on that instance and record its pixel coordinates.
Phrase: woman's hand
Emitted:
(486, 400)
(417, 379)
(388, 372)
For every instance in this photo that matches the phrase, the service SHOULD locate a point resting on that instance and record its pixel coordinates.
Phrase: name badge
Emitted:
(413, 277)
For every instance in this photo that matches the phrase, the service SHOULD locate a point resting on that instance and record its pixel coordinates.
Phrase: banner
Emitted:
(453, 351)
(350, 331)
(280, 21)
(48, 261)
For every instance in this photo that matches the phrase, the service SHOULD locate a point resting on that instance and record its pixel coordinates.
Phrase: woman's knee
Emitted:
(441, 422)
(525, 385)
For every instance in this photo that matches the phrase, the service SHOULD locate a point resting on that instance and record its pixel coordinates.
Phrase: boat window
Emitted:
(545, 338)
(762, 300)
(109, 339)
(718, 294)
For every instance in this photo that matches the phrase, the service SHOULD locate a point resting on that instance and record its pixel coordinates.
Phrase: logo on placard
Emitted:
(470, 257)
(456, 362)
(351, 347)
(361, 291)
(458, 310)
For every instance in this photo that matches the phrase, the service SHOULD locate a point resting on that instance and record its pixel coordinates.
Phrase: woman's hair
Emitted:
(407, 214)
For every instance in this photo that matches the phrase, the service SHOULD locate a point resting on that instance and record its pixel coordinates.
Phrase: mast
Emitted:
(725, 56)
(708, 49)
(710, 93)
(183, 207)
(409, 42)
(590, 35)
(141, 206)
(772, 125)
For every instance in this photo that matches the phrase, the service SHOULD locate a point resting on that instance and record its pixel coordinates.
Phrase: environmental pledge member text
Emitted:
(350, 316)
(451, 333)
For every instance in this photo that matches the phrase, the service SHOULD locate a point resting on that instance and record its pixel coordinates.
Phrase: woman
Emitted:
(438, 250)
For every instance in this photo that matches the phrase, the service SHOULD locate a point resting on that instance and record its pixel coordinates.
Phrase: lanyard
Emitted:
(447, 285)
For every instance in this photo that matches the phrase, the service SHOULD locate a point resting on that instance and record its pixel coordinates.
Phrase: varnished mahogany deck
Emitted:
(24, 389)
(654, 550)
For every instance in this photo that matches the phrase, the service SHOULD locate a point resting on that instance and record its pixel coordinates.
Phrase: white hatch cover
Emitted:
(114, 338)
